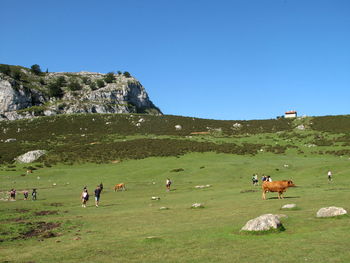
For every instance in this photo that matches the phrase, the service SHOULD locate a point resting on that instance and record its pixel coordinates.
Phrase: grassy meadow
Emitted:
(84, 150)
(118, 230)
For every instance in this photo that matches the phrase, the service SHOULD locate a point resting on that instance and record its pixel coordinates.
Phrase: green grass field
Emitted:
(118, 230)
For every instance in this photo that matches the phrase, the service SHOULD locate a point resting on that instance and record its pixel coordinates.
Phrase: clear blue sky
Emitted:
(238, 59)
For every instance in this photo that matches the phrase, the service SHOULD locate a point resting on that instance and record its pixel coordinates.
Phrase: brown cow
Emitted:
(276, 186)
(118, 187)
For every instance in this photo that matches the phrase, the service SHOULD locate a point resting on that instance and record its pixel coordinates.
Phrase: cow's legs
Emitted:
(264, 195)
(280, 195)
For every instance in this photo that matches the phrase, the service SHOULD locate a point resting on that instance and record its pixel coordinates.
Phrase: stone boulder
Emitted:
(178, 127)
(197, 205)
(30, 156)
(289, 206)
(331, 211)
(155, 198)
(263, 223)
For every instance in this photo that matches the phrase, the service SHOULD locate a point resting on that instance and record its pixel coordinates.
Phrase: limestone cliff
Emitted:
(24, 94)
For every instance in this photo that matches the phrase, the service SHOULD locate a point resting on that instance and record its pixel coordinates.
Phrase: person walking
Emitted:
(25, 193)
(329, 174)
(34, 194)
(13, 194)
(98, 191)
(167, 184)
(101, 186)
(255, 179)
(84, 197)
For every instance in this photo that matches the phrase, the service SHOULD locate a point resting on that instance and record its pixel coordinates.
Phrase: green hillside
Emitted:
(107, 137)
(142, 151)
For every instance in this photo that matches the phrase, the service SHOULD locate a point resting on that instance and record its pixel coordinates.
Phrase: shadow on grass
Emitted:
(108, 205)
(279, 229)
(334, 217)
(288, 197)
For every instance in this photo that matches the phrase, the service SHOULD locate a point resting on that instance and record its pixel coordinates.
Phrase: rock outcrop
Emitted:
(29, 95)
(31, 156)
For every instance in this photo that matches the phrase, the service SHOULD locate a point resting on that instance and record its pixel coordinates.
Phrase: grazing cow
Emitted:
(118, 187)
(276, 186)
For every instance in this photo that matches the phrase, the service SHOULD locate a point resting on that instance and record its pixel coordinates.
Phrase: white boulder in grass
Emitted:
(289, 206)
(197, 205)
(178, 127)
(263, 223)
(155, 198)
(31, 156)
(331, 211)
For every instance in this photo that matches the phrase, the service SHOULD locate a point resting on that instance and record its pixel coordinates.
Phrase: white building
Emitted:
(290, 114)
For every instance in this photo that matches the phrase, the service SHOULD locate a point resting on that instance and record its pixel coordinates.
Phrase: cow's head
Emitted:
(290, 183)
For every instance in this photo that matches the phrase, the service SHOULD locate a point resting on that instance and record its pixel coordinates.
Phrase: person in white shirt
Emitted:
(329, 176)
(167, 184)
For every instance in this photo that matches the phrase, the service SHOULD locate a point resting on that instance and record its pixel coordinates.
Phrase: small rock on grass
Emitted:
(197, 205)
(331, 211)
(289, 206)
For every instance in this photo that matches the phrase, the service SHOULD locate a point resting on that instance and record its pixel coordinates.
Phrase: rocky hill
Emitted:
(25, 93)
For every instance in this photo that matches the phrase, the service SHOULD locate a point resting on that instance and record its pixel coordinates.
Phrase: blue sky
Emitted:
(238, 59)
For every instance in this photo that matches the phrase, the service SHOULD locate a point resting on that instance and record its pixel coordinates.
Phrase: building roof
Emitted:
(291, 112)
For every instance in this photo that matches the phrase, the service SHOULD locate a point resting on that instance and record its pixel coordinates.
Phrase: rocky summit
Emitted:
(25, 93)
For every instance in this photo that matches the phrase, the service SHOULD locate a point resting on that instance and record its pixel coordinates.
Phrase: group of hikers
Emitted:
(13, 193)
(85, 195)
(264, 178)
(268, 178)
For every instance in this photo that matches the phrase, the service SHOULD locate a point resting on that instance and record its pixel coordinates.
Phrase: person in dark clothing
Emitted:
(34, 193)
(101, 186)
(98, 191)
(13, 195)
(25, 193)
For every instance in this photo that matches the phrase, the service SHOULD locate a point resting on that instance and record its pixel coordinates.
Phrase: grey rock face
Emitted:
(331, 211)
(12, 99)
(263, 223)
(124, 95)
(30, 156)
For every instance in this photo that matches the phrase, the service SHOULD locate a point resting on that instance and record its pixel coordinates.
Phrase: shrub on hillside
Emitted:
(16, 74)
(127, 74)
(86, 80)
(109, 78)
(61, 81)
(100, 83)
(36, 69)
(74, 85)
(93, 86)
(54, 90)
(5, 69)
